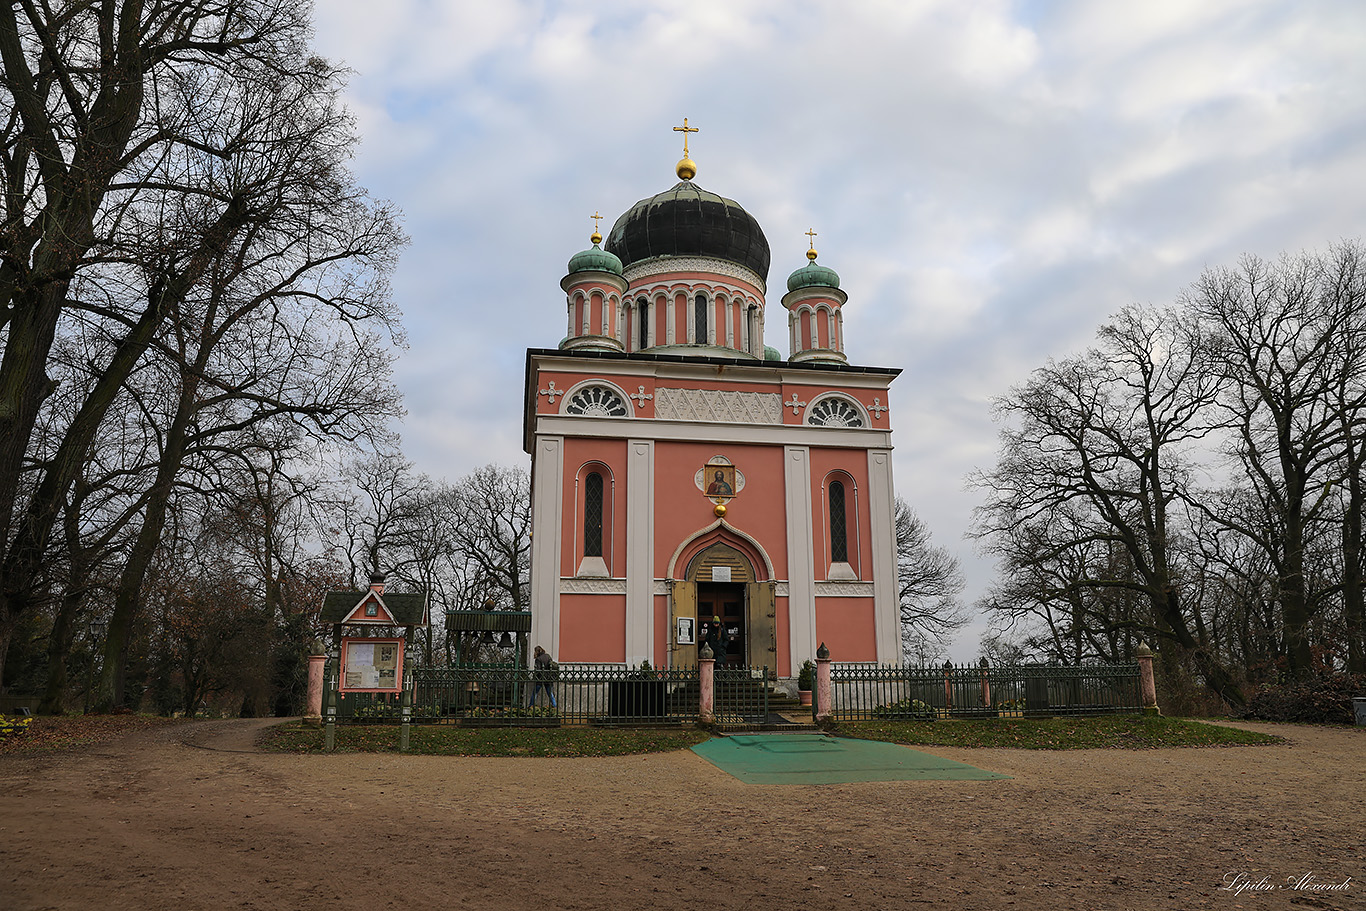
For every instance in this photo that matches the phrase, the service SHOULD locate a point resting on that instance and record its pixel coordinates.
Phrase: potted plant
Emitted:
(806, 681)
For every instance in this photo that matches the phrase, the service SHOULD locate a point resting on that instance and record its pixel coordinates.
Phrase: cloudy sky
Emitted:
(990, 179)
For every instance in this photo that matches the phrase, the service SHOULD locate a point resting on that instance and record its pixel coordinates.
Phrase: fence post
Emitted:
(948, 685)
(330, 704)
(824, 696)
(313, 709)
(1146, 684)
(986, 686)
(405, 699)
(706, 679)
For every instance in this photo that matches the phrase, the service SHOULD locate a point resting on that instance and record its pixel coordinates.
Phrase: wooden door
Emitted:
(762, 626)
(683, 603)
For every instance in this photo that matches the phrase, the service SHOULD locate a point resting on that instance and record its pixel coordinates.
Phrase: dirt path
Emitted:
(189, 817)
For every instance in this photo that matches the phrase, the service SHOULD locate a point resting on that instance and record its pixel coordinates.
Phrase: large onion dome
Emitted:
(687, 220)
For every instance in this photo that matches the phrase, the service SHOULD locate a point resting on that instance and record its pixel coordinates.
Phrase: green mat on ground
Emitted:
(821, 759)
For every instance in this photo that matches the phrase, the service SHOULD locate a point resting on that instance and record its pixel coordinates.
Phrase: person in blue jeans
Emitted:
(544, 677)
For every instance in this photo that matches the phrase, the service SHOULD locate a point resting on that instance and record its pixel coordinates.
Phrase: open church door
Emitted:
(762, 648)
(683, 606)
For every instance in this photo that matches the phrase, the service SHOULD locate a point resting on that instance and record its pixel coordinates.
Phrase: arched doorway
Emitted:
(720, 581)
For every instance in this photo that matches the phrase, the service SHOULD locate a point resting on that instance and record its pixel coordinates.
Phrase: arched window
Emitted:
(834, 411)
(596, 401)
(643, 320)
(839, 528)
(700, 319)
(592, 515)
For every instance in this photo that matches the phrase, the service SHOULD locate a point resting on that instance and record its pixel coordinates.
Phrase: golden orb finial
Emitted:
(811, 254)
(686, 168)
(720, 510)
(596, 237)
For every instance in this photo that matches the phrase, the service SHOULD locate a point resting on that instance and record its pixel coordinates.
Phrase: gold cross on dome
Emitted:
(812, 234)
(685, 130)
(596, 218)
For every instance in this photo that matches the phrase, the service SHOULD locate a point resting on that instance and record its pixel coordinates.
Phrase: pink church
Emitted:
(682, 471)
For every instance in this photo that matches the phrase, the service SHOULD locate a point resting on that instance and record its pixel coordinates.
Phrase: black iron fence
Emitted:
(741, 696)
(866, 691)
(492, 695)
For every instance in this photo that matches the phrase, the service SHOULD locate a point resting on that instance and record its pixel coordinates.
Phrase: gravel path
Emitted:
(192, 817)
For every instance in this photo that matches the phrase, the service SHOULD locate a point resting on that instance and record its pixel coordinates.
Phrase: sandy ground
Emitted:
(191, 817)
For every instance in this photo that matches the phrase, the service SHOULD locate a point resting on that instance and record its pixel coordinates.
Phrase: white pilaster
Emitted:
(801, 572)
(882, 512)
(672, 323)
(640, 546)
(547, 526)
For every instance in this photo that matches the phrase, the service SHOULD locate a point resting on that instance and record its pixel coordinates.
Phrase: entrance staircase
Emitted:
(784, 712)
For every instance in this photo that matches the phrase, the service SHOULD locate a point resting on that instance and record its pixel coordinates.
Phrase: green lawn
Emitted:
(443, 740)
(1112, 732)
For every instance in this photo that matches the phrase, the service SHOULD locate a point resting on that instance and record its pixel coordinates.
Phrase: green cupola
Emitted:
(813, 275)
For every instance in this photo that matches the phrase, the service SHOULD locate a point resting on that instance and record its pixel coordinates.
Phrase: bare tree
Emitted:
(1095, 458)
(1289, 341)
(929, 582)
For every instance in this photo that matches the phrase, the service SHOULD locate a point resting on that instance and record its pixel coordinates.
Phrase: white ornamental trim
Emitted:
(718, 405)
(780, 590)
(663, 265)
(573, 586)
(844, 589)
(660, 588)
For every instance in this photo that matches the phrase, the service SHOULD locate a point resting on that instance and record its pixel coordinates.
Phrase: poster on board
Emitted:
(371, 664)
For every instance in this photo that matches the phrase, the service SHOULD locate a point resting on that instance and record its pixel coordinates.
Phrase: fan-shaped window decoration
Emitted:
(834, 412)
(839, 529)
(597, 402)
(592, 515)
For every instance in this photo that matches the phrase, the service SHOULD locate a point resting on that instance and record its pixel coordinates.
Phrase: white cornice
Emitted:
(758, 371)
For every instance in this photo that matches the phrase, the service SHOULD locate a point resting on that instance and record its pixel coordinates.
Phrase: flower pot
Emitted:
(804, 696)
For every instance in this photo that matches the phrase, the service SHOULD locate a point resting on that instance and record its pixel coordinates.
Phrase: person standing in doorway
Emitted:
(720, 641)
(544, 677)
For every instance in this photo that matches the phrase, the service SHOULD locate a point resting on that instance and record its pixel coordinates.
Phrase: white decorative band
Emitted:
(718, 405)
(573, 586)
(780, 589)
(661, 587)
(661, 265)
(844, 589)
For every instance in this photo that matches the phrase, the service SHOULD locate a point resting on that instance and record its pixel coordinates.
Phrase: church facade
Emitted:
(683, 471)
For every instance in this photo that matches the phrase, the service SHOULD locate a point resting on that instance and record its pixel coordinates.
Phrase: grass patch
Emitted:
(60, 733)
(1106, 732)
(444, 740)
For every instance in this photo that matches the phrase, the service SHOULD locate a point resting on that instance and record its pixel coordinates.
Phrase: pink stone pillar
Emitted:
(313, 713)
(1147, 685)
(706, 710)
(824, 695)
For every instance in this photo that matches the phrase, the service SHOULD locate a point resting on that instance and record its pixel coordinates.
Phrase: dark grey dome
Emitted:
(686, 220)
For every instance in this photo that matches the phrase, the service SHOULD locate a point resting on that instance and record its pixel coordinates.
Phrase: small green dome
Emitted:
(595, 260)
(771, 354)
(813, 275)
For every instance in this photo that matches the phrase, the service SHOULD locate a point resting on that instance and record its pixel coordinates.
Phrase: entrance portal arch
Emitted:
(720, 577)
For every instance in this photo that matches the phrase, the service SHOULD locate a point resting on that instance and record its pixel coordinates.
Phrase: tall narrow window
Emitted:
(839, 531)
(643, 312)
(592, 515)
(700, 319)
